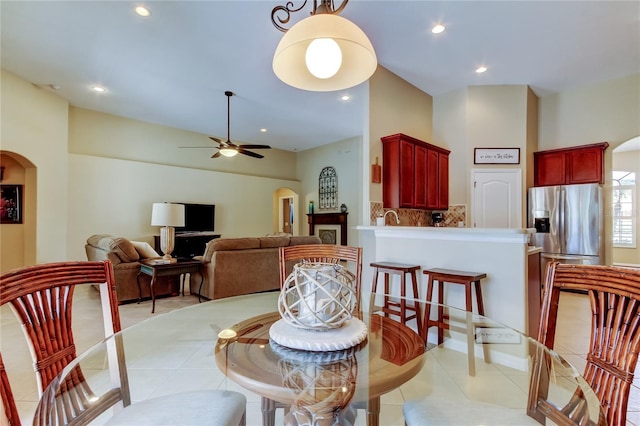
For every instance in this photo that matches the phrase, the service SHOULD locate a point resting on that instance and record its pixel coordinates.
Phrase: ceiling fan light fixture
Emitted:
(359, 59)
(228, 152)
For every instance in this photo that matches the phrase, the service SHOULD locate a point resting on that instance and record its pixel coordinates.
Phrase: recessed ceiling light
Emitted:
(345, 97)
(143, 11)
(263, 130)
(437, 29)
(481, 69)
(98, 89)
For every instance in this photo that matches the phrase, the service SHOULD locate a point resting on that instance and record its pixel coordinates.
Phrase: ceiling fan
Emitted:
(228, 148)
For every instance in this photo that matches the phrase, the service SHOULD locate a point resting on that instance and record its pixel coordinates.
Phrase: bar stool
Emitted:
(406, 311)
(469, 280)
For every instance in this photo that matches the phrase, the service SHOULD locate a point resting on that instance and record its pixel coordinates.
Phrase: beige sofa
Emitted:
(236, 266)
(125, 255)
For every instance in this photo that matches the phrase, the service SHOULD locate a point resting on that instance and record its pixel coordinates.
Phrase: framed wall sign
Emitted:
(11, 204)
(496, 156)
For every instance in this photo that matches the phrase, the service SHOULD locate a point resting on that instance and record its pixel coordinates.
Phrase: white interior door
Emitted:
(496, 198)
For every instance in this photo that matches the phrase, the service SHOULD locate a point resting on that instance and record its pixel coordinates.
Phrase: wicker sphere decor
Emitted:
(317, 296)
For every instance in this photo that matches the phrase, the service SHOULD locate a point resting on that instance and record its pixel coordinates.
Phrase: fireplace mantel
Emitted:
(329, 219)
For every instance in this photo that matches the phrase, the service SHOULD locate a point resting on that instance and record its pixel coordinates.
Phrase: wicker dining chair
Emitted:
(614, 294)
(10, 411)
(41, 297)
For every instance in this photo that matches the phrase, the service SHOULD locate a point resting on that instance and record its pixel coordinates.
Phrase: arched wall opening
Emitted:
(18, 238)
(286, 212)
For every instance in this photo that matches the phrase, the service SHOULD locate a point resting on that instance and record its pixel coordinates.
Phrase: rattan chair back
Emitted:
(614, 294)
(8, 403)
(324, 253)
(41, 297)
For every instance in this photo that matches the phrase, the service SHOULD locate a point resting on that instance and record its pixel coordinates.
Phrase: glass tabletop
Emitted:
(481, 373)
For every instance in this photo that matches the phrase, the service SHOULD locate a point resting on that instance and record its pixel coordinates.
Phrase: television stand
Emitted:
(188, 244)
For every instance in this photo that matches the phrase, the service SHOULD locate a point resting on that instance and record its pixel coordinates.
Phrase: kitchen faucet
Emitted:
(394, 213)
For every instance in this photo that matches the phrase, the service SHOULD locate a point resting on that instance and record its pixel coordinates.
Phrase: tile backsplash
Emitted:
(455, 214)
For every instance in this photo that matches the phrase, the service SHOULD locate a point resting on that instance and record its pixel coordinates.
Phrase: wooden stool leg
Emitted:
(374, 285)
(374, 289)
(427, 310)
(403, 299)
(440, 312)
(470, 341)
(386, 294)
(416, 305)
(485, 348)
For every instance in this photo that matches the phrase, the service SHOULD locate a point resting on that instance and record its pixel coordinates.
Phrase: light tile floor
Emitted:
(571, 341)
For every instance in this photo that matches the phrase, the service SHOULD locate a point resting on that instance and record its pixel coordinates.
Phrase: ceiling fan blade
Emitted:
(215, 139)
(216, 155)
(249, 153)
(255, 146)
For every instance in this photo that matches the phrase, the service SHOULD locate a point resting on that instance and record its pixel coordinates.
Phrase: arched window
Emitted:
(624, 224)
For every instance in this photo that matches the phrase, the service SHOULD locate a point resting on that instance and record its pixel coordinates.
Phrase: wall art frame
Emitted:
(10, 204)
(496, 156)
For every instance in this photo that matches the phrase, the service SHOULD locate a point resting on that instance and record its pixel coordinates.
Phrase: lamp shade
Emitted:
(359, 60)
(167, 214)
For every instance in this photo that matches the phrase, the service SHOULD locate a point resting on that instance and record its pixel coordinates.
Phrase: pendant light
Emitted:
(323, 52)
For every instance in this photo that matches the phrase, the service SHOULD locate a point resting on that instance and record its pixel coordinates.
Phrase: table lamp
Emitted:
(167, 215)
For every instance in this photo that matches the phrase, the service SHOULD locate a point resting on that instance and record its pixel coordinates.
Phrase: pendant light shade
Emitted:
(358, 58)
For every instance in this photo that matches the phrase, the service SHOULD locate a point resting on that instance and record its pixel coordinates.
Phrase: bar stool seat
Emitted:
(469, 280)
(405, 310)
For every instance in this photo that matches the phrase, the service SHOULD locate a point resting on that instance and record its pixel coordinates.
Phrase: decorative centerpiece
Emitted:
(316, 304)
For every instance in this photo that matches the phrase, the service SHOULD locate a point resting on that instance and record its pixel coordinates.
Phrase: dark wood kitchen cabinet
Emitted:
(415, 174)
(438, 180)
(568, 166)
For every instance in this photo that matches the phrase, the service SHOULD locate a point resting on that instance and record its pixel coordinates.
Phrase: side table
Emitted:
(159, 268)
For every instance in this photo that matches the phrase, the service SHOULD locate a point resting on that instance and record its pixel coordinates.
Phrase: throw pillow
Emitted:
(144, 249)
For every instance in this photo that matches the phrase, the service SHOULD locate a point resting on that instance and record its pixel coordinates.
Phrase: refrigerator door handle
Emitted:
(562, 229)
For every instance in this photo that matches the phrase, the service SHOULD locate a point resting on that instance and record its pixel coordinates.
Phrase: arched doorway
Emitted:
(625, 200)
(286, 212)
(18, 238)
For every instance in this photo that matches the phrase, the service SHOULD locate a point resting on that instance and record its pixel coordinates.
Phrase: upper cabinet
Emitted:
(567, 166)
(415, 174)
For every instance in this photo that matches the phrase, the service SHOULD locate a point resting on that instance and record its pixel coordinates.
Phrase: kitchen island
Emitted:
(500, 253)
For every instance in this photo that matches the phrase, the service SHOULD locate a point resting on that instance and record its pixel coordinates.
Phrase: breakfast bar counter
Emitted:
(500, 253)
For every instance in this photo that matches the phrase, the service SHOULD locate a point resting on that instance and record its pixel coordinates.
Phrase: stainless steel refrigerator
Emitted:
(569, 222)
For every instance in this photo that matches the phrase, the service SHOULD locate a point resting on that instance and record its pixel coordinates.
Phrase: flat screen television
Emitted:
(198, 218)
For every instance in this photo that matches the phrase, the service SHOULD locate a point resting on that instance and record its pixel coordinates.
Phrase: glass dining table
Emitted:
(389, 378)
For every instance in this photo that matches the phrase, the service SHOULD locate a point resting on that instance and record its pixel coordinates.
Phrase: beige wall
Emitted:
(604, 112)
(483, 117)
(33, 127)
(104, 135)
(395, 106)
(450, 113)
(113, 196)
(345, 157)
